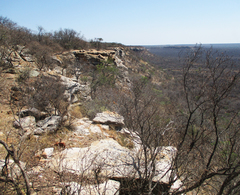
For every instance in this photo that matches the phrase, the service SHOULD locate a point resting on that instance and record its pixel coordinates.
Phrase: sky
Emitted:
(133, 22)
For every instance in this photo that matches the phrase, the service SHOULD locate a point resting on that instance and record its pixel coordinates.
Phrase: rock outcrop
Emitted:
(73, 89)
(48, 125)
(25, 123)
(109, 187)
(113, 161)
(109, 118)
(32, 112)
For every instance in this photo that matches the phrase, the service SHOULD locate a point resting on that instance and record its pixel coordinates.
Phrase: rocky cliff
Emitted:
(86, 156)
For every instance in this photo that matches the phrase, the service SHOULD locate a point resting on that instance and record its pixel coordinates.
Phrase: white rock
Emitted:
(105, 127)
(81, 126)
(38, 131)
(113, 160)
(72, 88)
(50, 124)
(49, 152)
(109, 118)
(26, 122)
(107, 188)
(95, 129)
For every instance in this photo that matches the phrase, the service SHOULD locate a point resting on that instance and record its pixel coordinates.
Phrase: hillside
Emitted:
(88, 117)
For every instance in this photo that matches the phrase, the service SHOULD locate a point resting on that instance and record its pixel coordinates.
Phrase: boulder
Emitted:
(25, 123)
(113, 161)
(81, 126)
(38, 131)
(109, 118)
(73, 88)
(49, 124)
(84, 127)
(32, 112)
(33, 73)
(108, 188)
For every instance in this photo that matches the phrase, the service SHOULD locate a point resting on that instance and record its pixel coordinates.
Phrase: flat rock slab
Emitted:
(109, 187)
(112, 160)
(109, 118)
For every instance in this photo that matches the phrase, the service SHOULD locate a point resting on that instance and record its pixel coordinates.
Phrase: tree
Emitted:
(8, 172)
(104, 74)
(69, 39)
(146, 117)
(48, 94)
(208, 124)
(42, 54)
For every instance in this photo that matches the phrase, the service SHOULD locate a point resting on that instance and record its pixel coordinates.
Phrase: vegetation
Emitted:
(196, 110)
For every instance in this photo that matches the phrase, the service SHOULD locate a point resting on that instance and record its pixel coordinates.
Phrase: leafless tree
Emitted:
(48, 94)
(208, 147)
(8, 177)
(42, 54)
(145, 117)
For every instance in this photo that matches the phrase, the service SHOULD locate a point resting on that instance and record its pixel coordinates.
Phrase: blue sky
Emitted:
(133, 22)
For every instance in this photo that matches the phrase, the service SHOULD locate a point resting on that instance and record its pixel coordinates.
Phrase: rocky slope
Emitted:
(100, 150)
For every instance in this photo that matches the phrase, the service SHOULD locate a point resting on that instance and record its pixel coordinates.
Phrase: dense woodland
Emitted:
(191, 103)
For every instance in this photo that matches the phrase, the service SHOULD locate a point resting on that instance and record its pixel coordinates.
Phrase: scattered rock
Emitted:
(107, 188)
(49, 124)
(33, 73)
(109, 118)
(48, 152)
(33, 112)
(38, 131)
(113, 160)
(25, 123)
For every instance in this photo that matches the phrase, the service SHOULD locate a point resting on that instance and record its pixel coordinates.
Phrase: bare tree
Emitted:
(11, 178)
(42, 54)
(48, 94)
(145, 117)
(208, 149)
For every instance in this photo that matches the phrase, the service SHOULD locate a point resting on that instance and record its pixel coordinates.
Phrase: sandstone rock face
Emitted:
(49, 124)
(25, 123)
(94, 57)
(109, 118)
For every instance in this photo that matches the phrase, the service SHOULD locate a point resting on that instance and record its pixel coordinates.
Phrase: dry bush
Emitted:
(48, 94)
(42, 55)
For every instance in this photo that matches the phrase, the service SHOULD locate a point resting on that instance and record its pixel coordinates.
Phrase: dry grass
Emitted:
(123, 139)
(76, 112)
